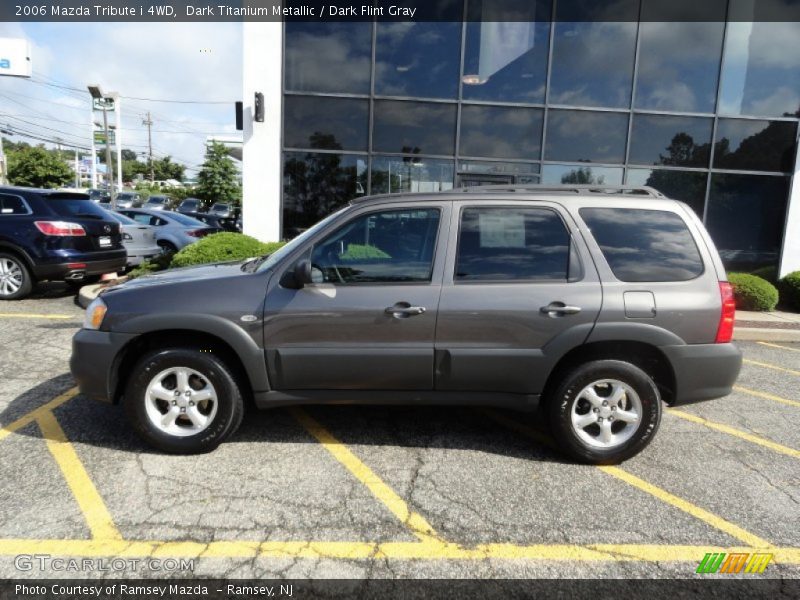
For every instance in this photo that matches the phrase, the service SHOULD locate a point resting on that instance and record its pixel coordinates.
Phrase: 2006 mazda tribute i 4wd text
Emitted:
(595, 304)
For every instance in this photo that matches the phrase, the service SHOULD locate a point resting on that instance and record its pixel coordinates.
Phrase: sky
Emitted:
(145, 63)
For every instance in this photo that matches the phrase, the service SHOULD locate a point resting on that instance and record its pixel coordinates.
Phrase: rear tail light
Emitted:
(198, 233)
(728, 314)
(59, 228)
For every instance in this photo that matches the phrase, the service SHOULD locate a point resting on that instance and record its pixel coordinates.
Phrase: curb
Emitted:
(88, 293)
(762, 334)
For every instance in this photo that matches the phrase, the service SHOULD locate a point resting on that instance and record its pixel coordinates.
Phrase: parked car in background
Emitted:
(225, 223)
(173, 230)
(139, 239)
(56, 236)
(191, 205)
(128, 200)
(222, 209)
(98, 195)
(159, 203)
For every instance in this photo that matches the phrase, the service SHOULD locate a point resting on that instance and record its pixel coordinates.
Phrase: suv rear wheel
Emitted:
(15, 279)
(183, 401)
(605, 411)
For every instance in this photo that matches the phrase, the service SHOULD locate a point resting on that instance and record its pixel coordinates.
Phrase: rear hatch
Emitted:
(100, 232)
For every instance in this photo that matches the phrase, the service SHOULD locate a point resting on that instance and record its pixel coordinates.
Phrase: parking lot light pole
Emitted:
(97, 94)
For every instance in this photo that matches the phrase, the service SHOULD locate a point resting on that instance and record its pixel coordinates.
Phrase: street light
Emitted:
(97, 94)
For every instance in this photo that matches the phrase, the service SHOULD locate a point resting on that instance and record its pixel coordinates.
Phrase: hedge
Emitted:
(220, 247)
(752, 292)
(769, 273)
(790, 290)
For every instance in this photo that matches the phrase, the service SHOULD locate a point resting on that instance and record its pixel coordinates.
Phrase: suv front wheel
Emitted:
(605, 411)
(183, 401)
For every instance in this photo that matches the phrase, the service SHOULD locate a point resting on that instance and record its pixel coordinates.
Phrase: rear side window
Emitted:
(644, 245)
(75, 206)
(13, 205)
(507, 244)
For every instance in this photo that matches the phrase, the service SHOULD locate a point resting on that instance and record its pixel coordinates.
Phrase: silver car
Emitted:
(173, 230)
(139, 239)
(128, 200)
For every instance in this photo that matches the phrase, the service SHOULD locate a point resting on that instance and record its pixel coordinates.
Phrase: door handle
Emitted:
(559, 309)
(403, 310)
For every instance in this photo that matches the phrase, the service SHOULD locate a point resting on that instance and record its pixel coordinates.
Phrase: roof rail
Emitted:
(577, 189)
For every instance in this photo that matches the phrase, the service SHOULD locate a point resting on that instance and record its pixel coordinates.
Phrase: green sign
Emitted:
(100, 137)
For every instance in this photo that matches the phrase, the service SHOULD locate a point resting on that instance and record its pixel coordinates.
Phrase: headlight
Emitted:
(95, 313)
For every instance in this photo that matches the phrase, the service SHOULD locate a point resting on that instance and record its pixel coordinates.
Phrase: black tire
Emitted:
(167, 247)
(230, 409)
(12, 261)
(560, 406)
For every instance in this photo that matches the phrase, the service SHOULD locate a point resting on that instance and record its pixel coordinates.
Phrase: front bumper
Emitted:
(703, 371)
(94, 358)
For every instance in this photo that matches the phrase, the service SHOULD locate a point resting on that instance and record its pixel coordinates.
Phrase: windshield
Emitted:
(220, 207)
(184, 220)
(278, 255)
(155, 200)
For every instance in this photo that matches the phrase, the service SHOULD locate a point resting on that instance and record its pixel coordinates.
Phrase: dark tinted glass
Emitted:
(581, 174)
(393, 174)
(679, 61)
(593, 53)
(12, 205)
(328, 57)
(414, 127)
(687, 186)
(185, 220)
(507, 244)
(506, 59)
(501, 132)
(755, 145)
(68, 206)
(386, 247)
(745, 218)
(761, 71)
(419, 59)
(674, 141)
(325, 123)
(586, 136)
(316, 184)
(644, 245)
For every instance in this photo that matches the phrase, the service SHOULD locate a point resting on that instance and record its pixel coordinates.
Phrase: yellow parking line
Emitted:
(642, 485)
(414, 521)
(91, 504)
(390, 550)
(754, 439)
(766, 396)
(36, 316)
(764, 365)
(34, 414)
(771, 345)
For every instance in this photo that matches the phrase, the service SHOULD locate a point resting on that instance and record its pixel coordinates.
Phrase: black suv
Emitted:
(50, 235)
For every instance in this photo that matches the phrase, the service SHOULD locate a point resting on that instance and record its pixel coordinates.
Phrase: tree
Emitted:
(164, 169)
(37, 167)
(582, 176)
(218, 179)
(128, 154)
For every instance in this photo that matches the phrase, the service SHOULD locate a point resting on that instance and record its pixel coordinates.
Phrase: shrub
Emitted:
(769, 273)
(221, 247)
(157, 263)
(790, 290)
(752, 292)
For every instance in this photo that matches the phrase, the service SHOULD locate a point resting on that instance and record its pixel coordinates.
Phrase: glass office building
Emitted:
(571, 92)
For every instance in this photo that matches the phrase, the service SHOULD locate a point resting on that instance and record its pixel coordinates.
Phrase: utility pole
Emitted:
(3, 169)
(149, 122)
(77, 171)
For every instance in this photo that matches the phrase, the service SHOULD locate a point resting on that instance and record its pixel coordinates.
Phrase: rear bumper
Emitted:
(93, 359)
(703, 371)
(109, 263)
(137, 256)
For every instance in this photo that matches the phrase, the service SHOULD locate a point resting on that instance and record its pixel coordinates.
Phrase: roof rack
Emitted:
(642, 190)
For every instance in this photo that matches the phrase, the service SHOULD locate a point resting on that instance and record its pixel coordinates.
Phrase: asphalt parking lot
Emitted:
(356, 492)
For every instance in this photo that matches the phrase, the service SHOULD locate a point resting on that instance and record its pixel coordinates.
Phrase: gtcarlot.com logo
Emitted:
(45, 562)
(735, 562)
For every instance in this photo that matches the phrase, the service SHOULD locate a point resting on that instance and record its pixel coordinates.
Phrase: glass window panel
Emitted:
(325, 123)
(761, 67)
(499, 132)
(746, 217)
(419, 59)
(414, 127)
(687, 186)
(507, 244)
(328, 57)
(680, 47)
(755, 145)
(394, 174)
(500, 168)
(674, 141)
(316, 184)
(506, 60)
(593, 53)
(581, 174)
(586, 136)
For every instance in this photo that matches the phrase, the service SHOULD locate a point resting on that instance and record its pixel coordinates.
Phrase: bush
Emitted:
(790, 290)
(155, 264)
(769, 273)
(221, 247)
(752, 292)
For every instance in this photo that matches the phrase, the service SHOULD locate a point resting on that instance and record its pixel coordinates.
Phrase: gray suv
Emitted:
(593, 304)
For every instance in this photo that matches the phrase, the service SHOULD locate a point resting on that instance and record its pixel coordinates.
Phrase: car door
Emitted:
(519, 289)
(368, 320)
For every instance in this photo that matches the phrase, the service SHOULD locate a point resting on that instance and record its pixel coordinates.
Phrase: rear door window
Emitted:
(644, 245)
(13, 205)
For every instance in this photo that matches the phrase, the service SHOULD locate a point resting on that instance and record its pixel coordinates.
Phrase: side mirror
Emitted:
(302, 273)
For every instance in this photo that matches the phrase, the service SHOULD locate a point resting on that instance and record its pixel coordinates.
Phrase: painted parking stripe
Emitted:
(86, 495)
(753, 439)
(34, 414)
(642, 485)
(418, 525)
(38, 316)
(764, 365)
(771, 345)
(766, 396)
